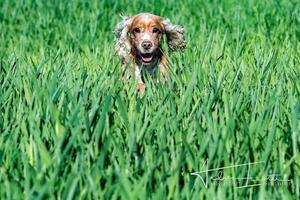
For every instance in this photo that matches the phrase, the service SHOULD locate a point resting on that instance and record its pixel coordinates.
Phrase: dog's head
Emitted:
(142, 34)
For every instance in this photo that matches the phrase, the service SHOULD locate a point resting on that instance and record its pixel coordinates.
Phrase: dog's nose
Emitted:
(147, 44)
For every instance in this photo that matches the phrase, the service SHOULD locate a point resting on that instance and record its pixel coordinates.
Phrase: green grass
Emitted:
(69, 128)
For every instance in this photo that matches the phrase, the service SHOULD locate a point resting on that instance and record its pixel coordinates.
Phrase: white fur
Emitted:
(175, 35)
(146, 36)
(122, 43)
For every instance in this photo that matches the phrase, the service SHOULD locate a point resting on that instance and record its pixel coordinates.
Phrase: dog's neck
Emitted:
(151, 68)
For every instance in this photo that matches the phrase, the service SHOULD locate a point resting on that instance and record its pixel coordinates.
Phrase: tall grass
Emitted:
(70, 129)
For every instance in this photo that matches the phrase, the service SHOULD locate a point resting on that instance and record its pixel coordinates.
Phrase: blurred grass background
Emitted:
(70, 129)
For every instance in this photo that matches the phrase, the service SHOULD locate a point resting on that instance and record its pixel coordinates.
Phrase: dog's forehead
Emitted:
(146, 19)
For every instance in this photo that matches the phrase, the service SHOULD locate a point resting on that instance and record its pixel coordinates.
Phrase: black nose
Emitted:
(146, 44)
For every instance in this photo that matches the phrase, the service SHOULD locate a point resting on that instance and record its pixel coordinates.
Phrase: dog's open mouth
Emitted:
(147, 57)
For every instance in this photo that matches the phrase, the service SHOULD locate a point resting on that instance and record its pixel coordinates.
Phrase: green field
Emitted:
(70, 129)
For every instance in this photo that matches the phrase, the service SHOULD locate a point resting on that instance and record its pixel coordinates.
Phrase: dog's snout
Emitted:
(147, 44)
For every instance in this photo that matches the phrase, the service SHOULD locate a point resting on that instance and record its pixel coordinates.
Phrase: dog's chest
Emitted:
(150, 69)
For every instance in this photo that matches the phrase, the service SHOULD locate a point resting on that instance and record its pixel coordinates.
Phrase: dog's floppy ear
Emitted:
(175, 35)
(123, 46)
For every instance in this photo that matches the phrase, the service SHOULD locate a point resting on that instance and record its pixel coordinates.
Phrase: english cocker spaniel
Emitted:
(138, 43)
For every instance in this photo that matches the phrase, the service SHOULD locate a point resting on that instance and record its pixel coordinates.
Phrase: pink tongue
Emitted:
(147, 59)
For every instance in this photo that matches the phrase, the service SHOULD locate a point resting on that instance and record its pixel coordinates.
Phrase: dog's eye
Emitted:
(137, 30)
(155, 30)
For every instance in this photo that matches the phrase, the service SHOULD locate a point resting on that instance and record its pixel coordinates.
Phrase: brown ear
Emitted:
(175, 35)
(122, 46)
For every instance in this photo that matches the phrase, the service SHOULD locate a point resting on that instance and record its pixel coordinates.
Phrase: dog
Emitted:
(138, 43)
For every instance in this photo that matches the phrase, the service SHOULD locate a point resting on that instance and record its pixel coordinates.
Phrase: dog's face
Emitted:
(145, 35)
(140, 36)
